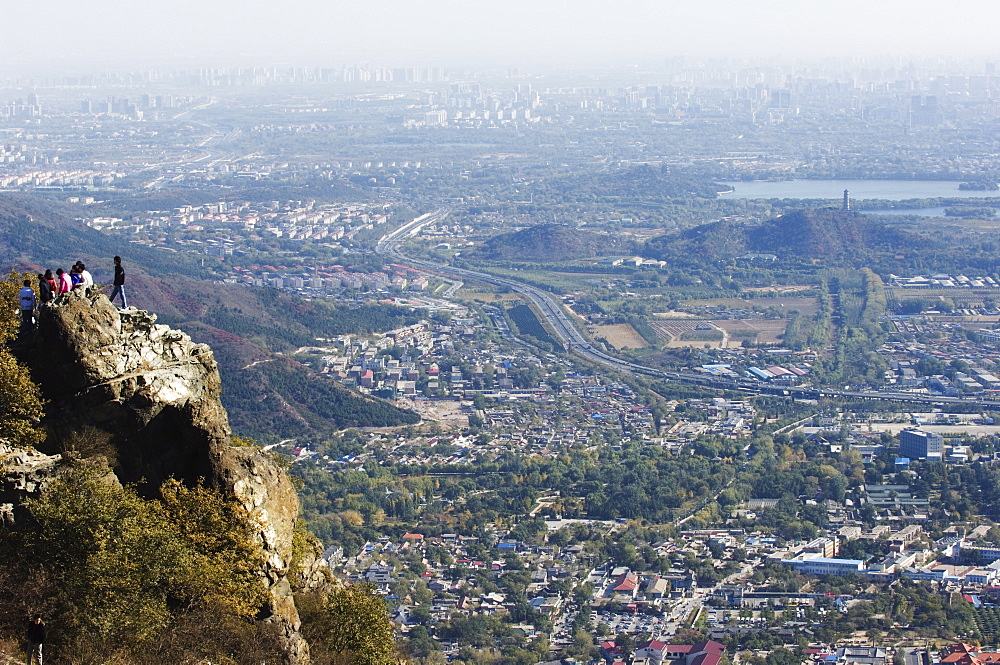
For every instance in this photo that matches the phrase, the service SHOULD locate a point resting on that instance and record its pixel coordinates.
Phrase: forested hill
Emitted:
(266, 394)
(831, 235)
(250, 329)
(551, 242)
(46, 233)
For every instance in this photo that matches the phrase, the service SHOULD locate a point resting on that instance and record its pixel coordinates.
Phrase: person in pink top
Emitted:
(63, 282)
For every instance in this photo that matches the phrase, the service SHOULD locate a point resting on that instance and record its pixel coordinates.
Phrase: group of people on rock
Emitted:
(51, 286)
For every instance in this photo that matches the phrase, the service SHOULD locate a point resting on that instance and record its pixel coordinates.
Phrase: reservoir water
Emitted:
(890, 190)
(920, 212)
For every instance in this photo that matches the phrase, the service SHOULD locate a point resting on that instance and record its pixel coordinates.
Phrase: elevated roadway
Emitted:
(571, 338)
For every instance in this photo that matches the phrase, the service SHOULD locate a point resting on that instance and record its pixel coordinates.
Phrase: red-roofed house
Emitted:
(610, 651)
(654, 650)
(677, 651)
(626, 583)
(966, 654)
(702, 653)
(705, 653)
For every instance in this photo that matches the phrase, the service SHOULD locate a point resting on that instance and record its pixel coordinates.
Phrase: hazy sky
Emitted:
(64, 34)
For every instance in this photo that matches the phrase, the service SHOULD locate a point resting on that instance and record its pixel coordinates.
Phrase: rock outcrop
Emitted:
(147, 398)
(25, 473)
(138, 391)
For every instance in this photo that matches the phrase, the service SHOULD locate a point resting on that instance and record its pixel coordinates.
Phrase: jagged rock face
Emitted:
(267, 491)
(148, 391)
(146, 396)
(25, 473)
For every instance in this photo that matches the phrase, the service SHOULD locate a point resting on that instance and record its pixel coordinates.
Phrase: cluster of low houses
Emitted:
(944, 281)
(710, 652)
(356, 361)
(909, 556)
(980, 353)
(658, 652)
(967, 560)
(226, 227)
(329, 277)
(600, 407)
(631, 591)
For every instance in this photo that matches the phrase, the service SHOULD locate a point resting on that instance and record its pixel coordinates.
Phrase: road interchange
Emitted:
(570, 337)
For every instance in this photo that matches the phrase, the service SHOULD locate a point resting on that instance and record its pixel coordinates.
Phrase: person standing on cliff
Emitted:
(119, 283)
(27, 299)
(46, 290)
(36, 637)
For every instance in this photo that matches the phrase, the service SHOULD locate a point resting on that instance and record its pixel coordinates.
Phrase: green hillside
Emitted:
(833, 236)
(266, 395)
(551, 242)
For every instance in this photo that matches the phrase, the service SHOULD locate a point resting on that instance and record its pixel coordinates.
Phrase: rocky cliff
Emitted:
(25, 472)
(146, 398)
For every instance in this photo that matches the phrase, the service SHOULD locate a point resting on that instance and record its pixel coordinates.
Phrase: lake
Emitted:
(890, 190)
(921, 212)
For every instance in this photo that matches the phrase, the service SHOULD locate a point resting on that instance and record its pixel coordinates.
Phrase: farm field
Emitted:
(806, 305)
(620, 336)
(488, 296)
(695, 333)
(674, 315)
(677, 328)
(720, 333)
(756, 331)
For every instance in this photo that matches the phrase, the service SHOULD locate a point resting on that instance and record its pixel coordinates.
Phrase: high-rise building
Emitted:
(438, 117)
(917, 444)
(925, 111)
(781, 99)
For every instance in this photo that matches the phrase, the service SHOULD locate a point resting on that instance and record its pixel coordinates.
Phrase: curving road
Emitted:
(571, 338)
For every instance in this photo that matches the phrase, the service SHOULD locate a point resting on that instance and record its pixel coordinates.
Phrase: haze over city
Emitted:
(508, 333)
(61, 35)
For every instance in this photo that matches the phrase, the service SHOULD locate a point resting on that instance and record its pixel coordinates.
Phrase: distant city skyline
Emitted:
(60, 35)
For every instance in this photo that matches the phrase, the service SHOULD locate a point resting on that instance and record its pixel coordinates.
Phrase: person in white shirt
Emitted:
(27, 300)
(86, 279)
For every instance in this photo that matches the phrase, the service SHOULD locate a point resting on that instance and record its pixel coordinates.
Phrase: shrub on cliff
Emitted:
(20, 398)
(347, 626)
(136, 580)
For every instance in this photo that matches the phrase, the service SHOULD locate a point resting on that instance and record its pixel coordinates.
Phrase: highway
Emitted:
(572, 339)
(210, 146)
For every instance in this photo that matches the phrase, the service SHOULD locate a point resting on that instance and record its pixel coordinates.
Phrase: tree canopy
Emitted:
(149, 580)
(20, 398)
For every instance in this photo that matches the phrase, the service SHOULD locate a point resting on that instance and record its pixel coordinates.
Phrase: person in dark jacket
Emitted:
(45, 292)
(36, 637)
(119, 283)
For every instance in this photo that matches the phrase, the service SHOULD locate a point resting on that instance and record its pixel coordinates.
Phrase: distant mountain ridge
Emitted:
(828, 234)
